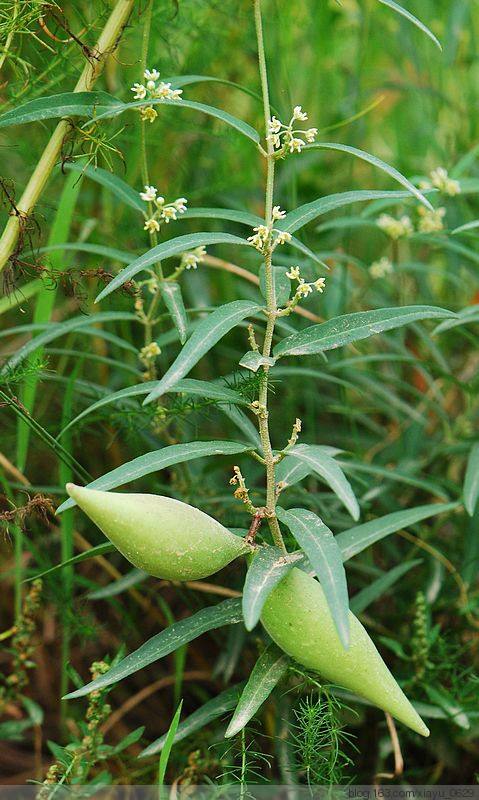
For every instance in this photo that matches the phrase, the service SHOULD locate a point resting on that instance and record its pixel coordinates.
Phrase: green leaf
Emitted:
(464, 317)
(290, 471)
(376, 162)
(65, 104)
(207, 333)
(208, 712)
(120, 188)
(447, 703)
(173, 300)
(218, 113)
(353, 327)
(379, 587)
(415, 21)
(226, 613)
(269, 669)
(471, 481)
(253, 360)
(326, 468)
(230, 214)
(169, 740)
(132, 578)
(206, 389)
(268, 567)
(468, 226)
(164, 250)
(319, 544)
(159, 459)
(94, 552)
(306, 213)
(355, 540)
(53, 330)
(281, 284)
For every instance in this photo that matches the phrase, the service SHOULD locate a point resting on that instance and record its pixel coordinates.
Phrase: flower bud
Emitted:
(164, 537)
(297, 617)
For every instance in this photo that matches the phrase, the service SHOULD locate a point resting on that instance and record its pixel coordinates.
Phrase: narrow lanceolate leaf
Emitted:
(65, 104)
(290, 470)
(94, 552)
(323, 552)
(310, 211)
(253, 360)
(355, 540)
(205, 389)
(211, 111)
(169, 741)
(270, 667)
(213, 709)
(379, 587)
(209, 331)
(376, 162)
(353, 327)
(226, 613)
(268, 567)
(118, 187)
(54, 330)
(415, 21)
(471, 482)
(326, 468)
(159, 459)
(164, 250)
(173, 300)
(281, 284)
(468, 226)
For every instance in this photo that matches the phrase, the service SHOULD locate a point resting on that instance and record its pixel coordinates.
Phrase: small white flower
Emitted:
(152, 225)
(441, 180)
(149, 352)
(283, 237)
(151, 74)
(274, 125)
(294, 274)
(149, 194)
(150, 85)
(180, 204)
(395, 228)
(160, 201)
(295, 145)
(175, 94)
(381, 268)
(275, 140)
(139, 91)
(168, 213)
(304, 289)
(320, 284)
(148, 114)
(431, 221)
(311, 134)
(191, 259)
(278, 213)
(299, 114)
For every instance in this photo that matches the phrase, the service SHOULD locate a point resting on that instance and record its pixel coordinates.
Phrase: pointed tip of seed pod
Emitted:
(423, 730)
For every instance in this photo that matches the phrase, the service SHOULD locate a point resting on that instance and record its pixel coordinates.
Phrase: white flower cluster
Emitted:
(288, 137)
(439, 179)
(431, 221)
(192, 258)
(395, 228)
(303, 288)
(266, 237)
(150, 90)
(148, 353)
(381, 268)
(164, 212)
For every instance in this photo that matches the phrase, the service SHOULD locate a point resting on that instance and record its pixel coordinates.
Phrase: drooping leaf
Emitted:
(243, 423)
(213, 709)
(290, 470)
(326, 468)
(207, 333)
(380, 586)
(226, 613)
(376, 162)
(173, 300)
(65, 104)
(180, 244)
(415, 21)
(268, 567)
(352, 327)
(253, 360)
(295, 220)
(118, 187)
(159, 459)
(324, 555)
(269, 669)
(212, 111)
(355, 540)
(471, 481)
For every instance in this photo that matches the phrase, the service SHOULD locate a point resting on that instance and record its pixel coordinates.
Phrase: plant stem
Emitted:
(271, 309)
(106, 44)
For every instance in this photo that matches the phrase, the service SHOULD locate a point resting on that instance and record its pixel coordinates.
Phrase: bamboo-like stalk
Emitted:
(106, 44)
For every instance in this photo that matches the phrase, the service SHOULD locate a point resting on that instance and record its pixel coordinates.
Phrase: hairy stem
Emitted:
(263, 412)
(106, 44)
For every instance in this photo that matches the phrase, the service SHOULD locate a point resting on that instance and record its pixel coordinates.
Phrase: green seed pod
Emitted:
(165, 537)
(297, 617)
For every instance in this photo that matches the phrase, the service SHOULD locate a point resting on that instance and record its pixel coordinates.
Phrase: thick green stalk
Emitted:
(24, 206)
(271, 309)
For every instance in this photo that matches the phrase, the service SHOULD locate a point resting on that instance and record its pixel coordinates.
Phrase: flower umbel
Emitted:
(162, 212)
(290, 138)
(439, 179)
(151, 90)
(381, 268)
(395, 228)
(431, 221)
